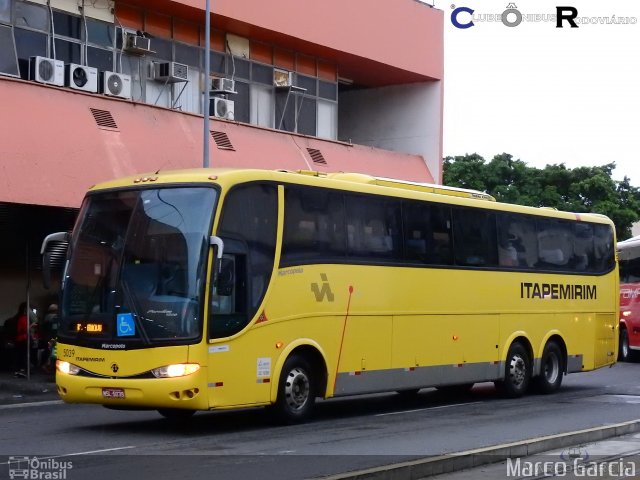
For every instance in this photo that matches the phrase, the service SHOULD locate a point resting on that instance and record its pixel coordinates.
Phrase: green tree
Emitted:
(580, 190)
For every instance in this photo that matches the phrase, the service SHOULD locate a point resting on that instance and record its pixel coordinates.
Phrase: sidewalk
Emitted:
(41, 386)
(618, 457)
(606, 452)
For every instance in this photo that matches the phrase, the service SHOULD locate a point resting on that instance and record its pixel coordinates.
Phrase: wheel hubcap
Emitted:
(625, 346)
(551, 368)
(296, 389)
(517, 371)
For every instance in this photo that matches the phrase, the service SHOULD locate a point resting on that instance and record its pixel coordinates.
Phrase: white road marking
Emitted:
(31, 404)
(424, 409)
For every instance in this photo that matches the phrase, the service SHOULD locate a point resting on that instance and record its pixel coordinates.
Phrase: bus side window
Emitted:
(373, 227)
(517, 236)
(603, 248)
(474, 237)
(313, 226)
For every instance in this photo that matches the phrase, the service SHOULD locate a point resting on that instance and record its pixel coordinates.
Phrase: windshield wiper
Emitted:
(133, 303)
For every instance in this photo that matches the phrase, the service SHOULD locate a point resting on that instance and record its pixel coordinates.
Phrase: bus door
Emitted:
(237, 354)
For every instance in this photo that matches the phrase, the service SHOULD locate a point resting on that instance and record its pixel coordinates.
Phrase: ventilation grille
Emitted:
(222, 140)
(316, 156)
(103, 118)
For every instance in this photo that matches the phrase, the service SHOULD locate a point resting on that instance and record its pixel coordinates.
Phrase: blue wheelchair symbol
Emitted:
(126, 325)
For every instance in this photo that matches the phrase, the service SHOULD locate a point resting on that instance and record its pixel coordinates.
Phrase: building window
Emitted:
(68, 52)
(100, 33)
(67, 25)
(262, 105)
(306, 121)
(5, 11)
(100, 58)
(8, 56)
(29, 44)
(327, 120)
(31, 16)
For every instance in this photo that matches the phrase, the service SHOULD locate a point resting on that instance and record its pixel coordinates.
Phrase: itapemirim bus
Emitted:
(212, 289)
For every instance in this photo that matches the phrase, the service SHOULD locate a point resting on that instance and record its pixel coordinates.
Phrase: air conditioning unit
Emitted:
(46, 70)
(170, 72)
(80, 77)
(115, 84)
(282, 78)
(222, 85)
(222, 108)
(136, 44)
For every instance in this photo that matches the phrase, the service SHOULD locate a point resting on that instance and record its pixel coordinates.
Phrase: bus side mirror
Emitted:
(47, 255)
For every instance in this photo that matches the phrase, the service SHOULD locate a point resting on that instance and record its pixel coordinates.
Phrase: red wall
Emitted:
(51, 149)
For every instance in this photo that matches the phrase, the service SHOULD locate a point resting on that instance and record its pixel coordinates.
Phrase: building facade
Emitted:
(96, 89)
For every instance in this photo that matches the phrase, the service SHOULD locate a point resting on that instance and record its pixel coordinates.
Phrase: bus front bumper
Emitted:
(187, 392)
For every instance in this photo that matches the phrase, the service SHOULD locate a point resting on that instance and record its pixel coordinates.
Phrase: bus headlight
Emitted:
(177, 370)
(67, 368)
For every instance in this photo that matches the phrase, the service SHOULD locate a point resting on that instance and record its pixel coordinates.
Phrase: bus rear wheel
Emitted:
(296, 391)
(551, 369)
(624, 352)
(517, 374)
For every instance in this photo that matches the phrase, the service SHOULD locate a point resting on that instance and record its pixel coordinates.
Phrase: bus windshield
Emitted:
(137, 267)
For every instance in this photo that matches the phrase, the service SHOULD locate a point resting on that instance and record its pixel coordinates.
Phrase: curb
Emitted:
(456, 461)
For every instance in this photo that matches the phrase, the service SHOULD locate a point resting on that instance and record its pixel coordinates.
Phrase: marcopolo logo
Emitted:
(464, 17)
(38, 468)
(322, 292)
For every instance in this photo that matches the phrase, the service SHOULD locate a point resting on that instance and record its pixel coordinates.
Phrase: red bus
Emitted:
(629, 259)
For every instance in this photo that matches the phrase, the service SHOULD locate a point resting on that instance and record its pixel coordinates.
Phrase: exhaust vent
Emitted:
(316, 156)
(222, 140)
(104, 118)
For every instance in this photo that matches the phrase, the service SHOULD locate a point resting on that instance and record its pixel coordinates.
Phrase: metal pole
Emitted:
(207, 80)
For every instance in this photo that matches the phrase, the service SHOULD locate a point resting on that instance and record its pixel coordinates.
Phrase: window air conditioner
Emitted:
(115, 84)
(46, 70)
(282, 78)
(222, 85)
(222, 108)
(170, 72)
(80, 77)
(136, 44)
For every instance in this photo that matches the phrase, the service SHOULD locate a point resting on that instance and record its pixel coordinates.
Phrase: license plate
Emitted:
(112, 393)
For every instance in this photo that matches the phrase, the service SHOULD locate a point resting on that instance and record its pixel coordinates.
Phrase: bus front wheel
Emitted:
(296, 390)
(517, 372)
(551, 370)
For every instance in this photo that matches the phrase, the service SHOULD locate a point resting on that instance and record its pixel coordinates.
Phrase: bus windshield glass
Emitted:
(137, 267)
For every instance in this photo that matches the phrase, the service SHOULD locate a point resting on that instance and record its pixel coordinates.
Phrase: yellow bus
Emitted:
(212, 289)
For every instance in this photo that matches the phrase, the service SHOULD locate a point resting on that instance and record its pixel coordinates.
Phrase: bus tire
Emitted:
(517, 375)
(296, 391)
(551, 369)
(176, 413)
(624, 352)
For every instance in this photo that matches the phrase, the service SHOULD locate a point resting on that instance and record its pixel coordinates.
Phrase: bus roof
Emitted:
(340, 180)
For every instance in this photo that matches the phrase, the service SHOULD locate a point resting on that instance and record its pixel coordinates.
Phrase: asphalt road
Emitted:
(346, 434)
